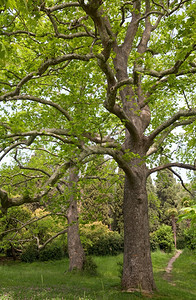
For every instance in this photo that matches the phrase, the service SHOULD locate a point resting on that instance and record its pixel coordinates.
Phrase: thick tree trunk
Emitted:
(75, 249)
(137, 268)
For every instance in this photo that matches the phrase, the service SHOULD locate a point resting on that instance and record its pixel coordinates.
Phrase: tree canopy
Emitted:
(86, 78)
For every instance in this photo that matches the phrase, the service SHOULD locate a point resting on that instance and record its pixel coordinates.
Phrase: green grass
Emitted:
(181, 284)
(50, 280)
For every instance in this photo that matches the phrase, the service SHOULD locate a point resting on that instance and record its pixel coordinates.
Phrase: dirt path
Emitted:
(169, 267)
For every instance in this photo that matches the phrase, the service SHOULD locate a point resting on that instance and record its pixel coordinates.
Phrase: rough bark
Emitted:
(137, 267)
(75, 249)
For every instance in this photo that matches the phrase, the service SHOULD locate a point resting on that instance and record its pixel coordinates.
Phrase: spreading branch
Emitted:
(33, 220)
(170, 165)
(171, 121)
(30, 168)
(42, 70)
(60, 6)
(42, 101)
(53, 132)
(7, 201)
(40, 247)
(116, 154)
(155, 147)
(26, 142)
(68, 36)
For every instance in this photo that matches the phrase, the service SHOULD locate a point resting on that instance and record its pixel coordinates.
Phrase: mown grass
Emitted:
(50, 280)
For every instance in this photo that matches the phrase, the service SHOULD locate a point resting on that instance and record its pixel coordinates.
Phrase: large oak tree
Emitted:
(110, 78)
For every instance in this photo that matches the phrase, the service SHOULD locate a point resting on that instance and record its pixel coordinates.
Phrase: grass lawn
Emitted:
(49, 280)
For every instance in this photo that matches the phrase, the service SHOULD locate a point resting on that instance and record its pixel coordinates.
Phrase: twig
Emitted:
(185, 97)
(177, 175)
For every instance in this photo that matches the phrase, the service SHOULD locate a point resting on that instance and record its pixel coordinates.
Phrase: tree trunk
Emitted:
(174, 229)
(75, 249)
(137, 267)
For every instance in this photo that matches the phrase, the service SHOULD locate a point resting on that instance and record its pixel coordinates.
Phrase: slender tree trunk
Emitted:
(75, 249)
(174, 229)
(137, 267)
(13, 252)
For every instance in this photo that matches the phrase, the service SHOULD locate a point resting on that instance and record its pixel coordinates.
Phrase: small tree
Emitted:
(34, 182)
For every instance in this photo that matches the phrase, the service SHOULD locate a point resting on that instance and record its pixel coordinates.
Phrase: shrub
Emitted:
(154, 245)
(181, 243)
(110, 244)
(162, 239)
(97, 239)
(190, 237)
(90, 266)
(30, 254)
(51, 252)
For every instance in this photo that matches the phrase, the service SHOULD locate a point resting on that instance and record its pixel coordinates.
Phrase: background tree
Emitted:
(95, 77)
(167, 192)
(187, 217)
(18, 184)
(75, 249)
(99, 187)
(154, 204)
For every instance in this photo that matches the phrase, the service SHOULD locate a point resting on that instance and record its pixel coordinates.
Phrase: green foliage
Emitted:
(42, 42)
(13, 3)
(9, 224)
(89, 266)
(3, 51)
(41, 230)
(30, 254)
(180, 241)
(154, 205)
(190, 237)
(167, 192)
(97, 239)
(102, 200)
(51, 252)
(187, 218)
(188, 213)
(162, 239)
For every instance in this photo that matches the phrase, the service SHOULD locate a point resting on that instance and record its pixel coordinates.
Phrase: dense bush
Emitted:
(30, 254)
(90, 266)
(180, 242)
(162, 239)
(51, 252)
(97, 239)
(190, 237)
